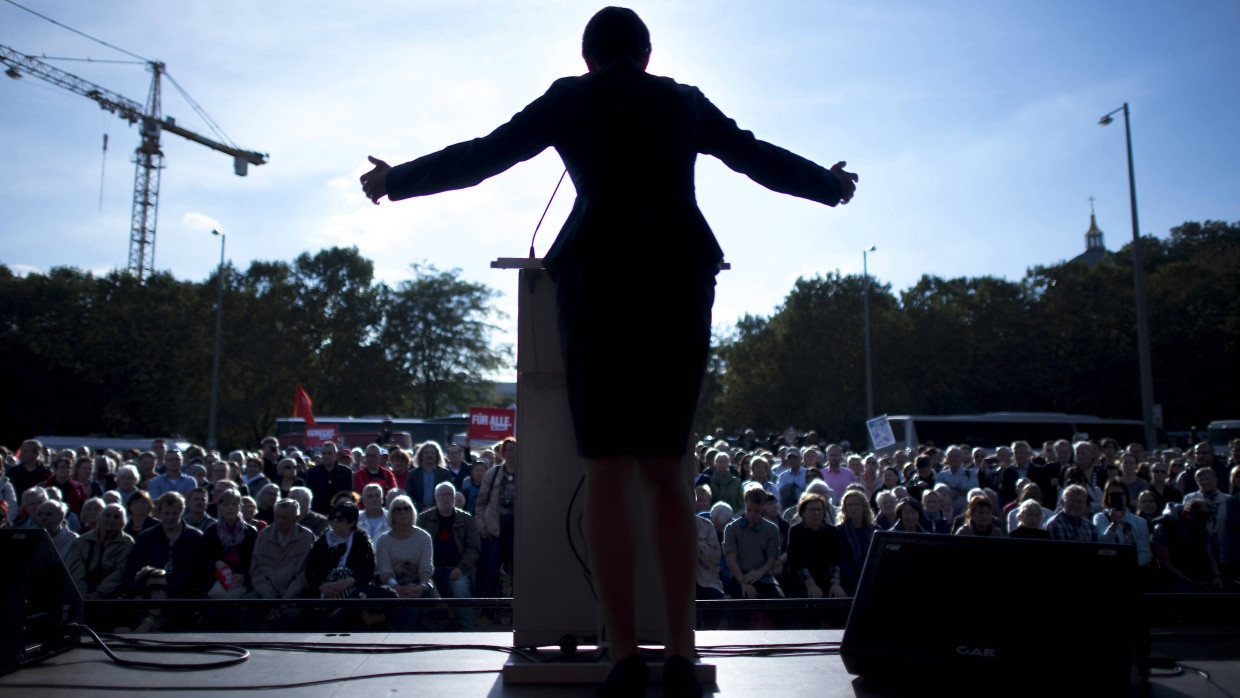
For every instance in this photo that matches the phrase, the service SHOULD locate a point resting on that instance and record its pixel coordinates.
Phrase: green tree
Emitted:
(438, 335)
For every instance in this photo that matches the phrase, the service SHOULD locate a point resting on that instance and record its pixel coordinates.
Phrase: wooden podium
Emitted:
(553, 603)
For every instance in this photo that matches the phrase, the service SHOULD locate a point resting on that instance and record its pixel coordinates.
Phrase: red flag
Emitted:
(302, 406)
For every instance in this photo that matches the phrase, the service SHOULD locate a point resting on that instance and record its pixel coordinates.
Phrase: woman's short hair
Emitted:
(975, 503)
(117, 507)
(615, 32)
(809, 498)
(1027, 505)
(721, 512)
(400, 499)
(346, 510)
(139, 496)
(228, 495)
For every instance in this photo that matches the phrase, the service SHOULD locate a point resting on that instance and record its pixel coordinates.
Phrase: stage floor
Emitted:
(88, 671)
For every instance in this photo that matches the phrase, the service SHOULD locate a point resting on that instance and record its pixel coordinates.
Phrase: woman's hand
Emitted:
(836, 591)
(848, 181)
(814, 591)
(374, 183)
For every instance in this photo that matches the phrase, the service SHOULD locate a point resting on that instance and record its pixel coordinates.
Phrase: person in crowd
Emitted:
(196, 509)
(280, 552)
(934, 520)
(1071, 522)
(50, 516)
(1148, 508)
(230, 547)
(254, 477)
(269, 452)
(725, 485)
(702, 498)
(907, 517)
(374, 520)
(837, 478)
(889, 480)
(333, 474)
(1028, 490)
(1203, 457)
(72, 493)
(147, 463)
(814, 553)
(1223, 522)
(789, 483)
(751, 549)
(1011, 474)
(1074, 475)
(459, 464)
(286, 476)
(342, 559)
(1117, 524)
(856, 528)
(173, 480)
(140, 510)
(431, 471)
(127, 478)
(171, 546)
(1128, 467)
(925, 480)
(496, 507)
(400, 462)
(404, 559)
(373, 470)
(266, 502)
(886, 517)
(709, 586)
(29, 469)
(31, 498)
(311, 520)
(1181, 544)
(249, 512)
(957, 476)
(760, 472)
(1161, 488)
(979, 519)
(84, 473)
(473, 485)
(103, 476)
(96, 560)
(8, 499)
(456, 546)
(90, 514)
(1030, 518)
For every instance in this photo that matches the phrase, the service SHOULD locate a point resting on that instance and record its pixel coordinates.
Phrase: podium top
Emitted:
(537, 263)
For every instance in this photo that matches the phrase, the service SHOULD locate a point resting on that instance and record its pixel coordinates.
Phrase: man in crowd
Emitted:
(1203, 457)
(456, 548)
(458, 464)
(269, 450)
(789, 484)
(429, 472)
(172, 480)
(1181, 544)
(496, 511)
(311, 520)
(1072, 522)
(1221, 525)
(172, 546)
(924, 480)
(327, 478)
(29, 470)
(72, 492)
(196, 509)
(751, 548)
(1047, 474)
(373, 470)
(837, 478)
(955, 475)
(279, 554)
(724, 485)
(50, 516)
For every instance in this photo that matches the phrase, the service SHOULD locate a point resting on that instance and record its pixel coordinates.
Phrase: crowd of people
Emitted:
(378, 522)
(787, 519)
(793, 516)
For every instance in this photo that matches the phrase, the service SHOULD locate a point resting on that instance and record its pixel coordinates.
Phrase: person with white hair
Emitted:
(280, 552)
(456, 549)
(310, 519)
(374, 520)
(404, 558)
(1071, 522)
(50, 516)
(96, 560)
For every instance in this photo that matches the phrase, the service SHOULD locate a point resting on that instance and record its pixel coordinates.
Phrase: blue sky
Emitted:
(973, 126)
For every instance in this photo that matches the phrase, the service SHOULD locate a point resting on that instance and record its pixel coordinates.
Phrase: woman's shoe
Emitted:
(627, 678)
(680, 679)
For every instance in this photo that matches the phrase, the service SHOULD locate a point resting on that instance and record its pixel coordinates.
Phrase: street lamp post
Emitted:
(215, 361)
(865, 295)
(1138, 274)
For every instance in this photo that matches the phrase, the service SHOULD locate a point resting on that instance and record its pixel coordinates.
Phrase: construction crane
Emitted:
(148, 158)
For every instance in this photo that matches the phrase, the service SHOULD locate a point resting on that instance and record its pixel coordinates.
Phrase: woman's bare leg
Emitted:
(612, 550)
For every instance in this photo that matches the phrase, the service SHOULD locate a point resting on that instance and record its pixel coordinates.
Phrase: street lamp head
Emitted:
(873, 248)
(1105, 120)
(215, 232)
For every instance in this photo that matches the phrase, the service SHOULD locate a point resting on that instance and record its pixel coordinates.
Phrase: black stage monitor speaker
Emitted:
(38, 600)
(998, 616)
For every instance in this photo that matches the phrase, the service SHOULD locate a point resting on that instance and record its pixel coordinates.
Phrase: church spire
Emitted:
(1093, 236)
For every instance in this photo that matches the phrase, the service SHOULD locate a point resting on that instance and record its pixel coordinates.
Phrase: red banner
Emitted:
(302, 407)
(491, 423)
(317, 434)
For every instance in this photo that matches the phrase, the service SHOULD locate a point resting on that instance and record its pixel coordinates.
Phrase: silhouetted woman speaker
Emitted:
(634, 268)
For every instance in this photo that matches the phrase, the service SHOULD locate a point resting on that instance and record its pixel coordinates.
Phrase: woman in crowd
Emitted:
(1148, 509)
(139, 508)
(1031, 521)
(342, 558)
(856, 529)
(1117, 524)
(97, 559)
(400, 462)
(760, 472)
(932, 506)
(886, 517)
(90, 514)
(404, 558)
(286, 479)
(908, 518)
(473, 484)
(230, 546)
(83, 471)
(249, 512)
(1031, 490)
(946, 499)
(1161, 477)
(1135, 485)
(979, 519)
(814, 553)
(266, 501)
(373, 518)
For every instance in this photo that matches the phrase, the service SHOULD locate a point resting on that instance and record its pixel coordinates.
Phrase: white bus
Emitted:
(991, 429)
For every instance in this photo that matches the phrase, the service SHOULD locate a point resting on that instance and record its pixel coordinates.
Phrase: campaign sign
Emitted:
(880, 432)
(320, 433)
(491, 423)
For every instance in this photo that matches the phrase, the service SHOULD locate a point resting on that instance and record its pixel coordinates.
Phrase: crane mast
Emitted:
(148, 157)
